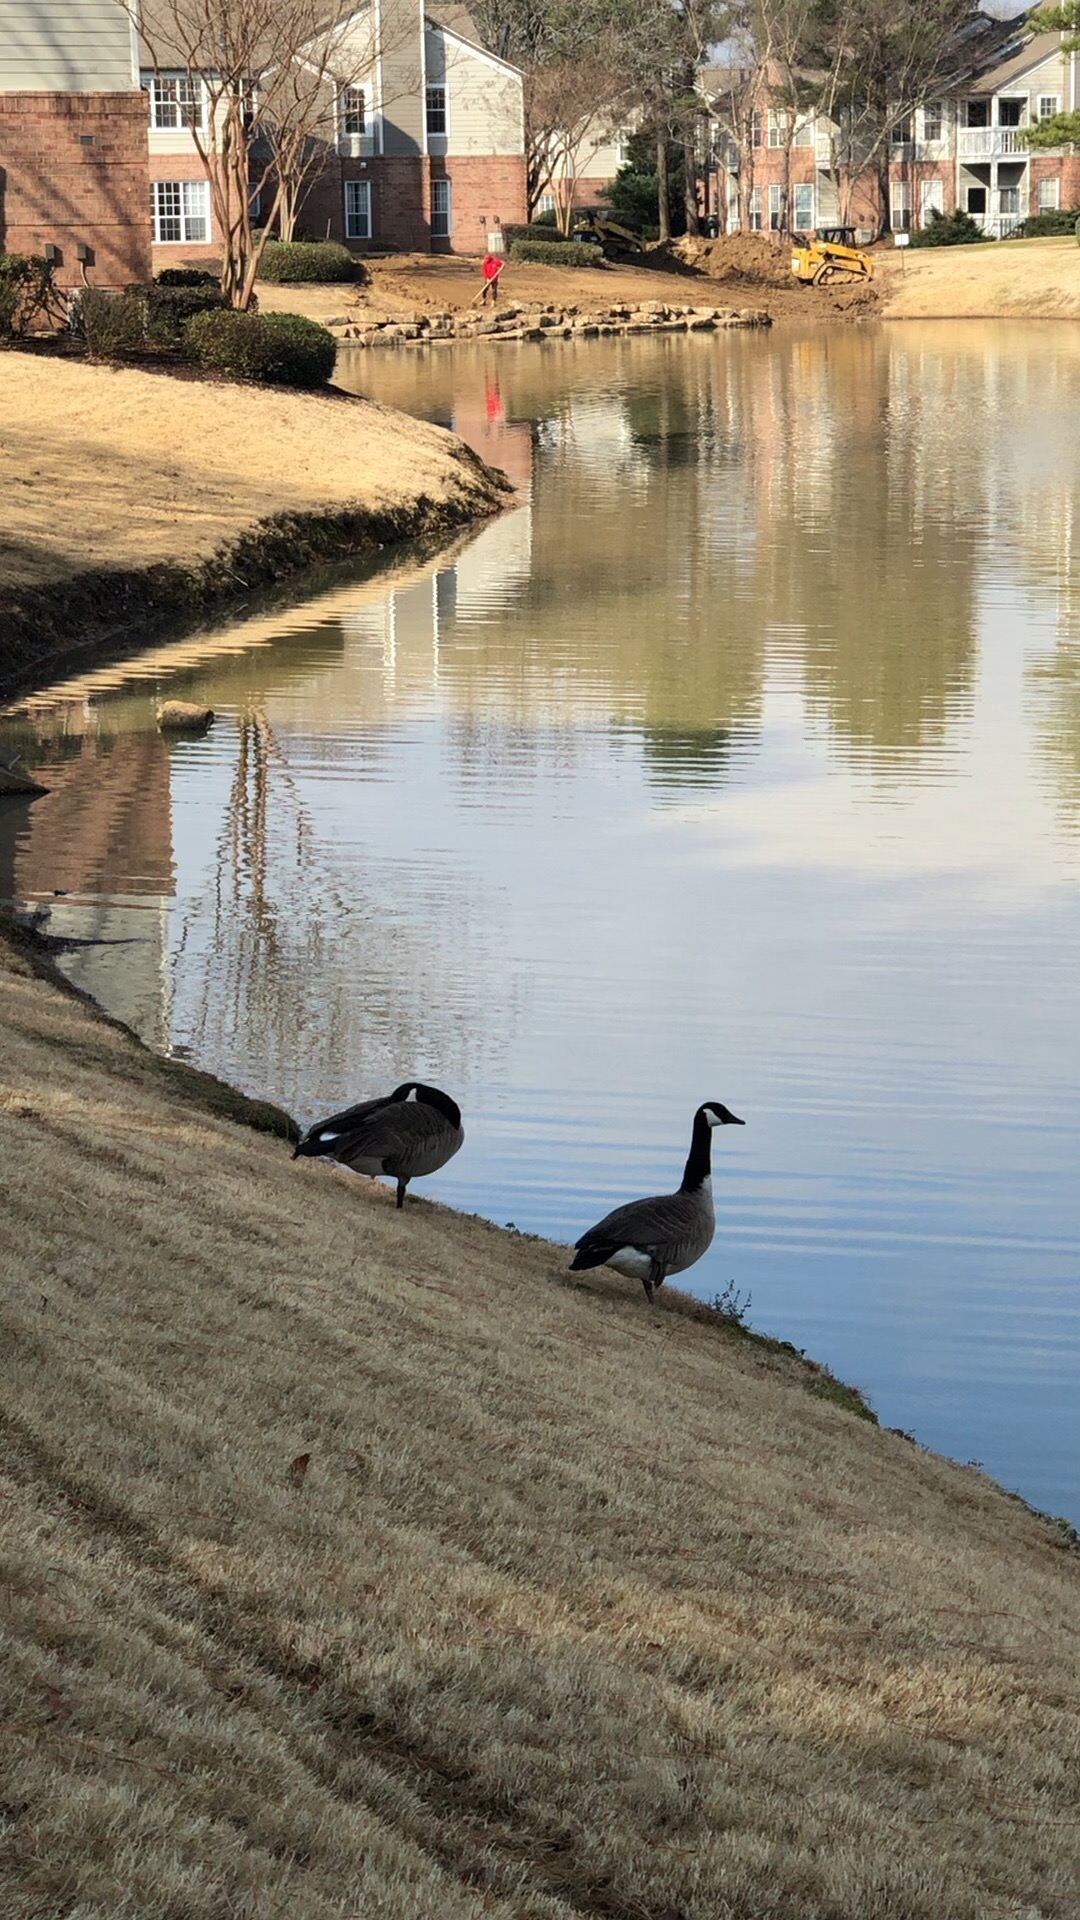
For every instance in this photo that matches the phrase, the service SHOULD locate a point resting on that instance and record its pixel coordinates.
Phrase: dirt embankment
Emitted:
(131, 496)
(364, 1563)
(751, 270)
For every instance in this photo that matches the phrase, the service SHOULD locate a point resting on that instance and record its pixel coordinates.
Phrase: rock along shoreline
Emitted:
(538, 323)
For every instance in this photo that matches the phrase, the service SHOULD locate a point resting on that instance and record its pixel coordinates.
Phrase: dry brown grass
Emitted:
(105, 467)
(364, 1565)
(1018, 280)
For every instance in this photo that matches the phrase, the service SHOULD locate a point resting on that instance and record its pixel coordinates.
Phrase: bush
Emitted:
(956, 229)
(535, 230)
(27, 291)
(166, 310)
(112, 324)
(187, 277)
(287, 262)
(557, 253)
(1038, 225)
(283, 348)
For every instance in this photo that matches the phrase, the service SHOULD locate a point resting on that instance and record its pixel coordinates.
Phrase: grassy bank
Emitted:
(1005, 280)
(132, 498)
(356, 1563)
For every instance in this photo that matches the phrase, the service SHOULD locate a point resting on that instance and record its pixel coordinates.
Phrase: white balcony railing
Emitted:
(983, 143)
(998, 226)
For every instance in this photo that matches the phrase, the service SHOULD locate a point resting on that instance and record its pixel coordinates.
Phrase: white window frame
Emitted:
(776, 200)
(158, 82)
(352, 104)
(442, 189)
(1051, 101)
(1011, 100)
(933, 115)
(802, 187)
(900, 206)
(756, 216)
(437, 133)
(805, 132)
(931, 194)
(184, 214)
(900, 136)
(777, 130)
(1049, 184)
(358, 210)
(757, 128)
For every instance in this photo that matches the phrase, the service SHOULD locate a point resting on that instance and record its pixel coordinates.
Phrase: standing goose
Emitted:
(410, 1132)
(648, 1239)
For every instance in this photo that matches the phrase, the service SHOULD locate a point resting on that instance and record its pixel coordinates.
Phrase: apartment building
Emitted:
(965, 149)
(423, 150)
(73, 163)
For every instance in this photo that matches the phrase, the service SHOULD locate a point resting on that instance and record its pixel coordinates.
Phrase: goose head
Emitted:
(715, 1114)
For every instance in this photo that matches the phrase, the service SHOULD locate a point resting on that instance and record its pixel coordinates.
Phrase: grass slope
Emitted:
(356, 1564)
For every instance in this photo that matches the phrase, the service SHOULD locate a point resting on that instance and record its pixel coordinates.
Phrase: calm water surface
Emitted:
(741, 758)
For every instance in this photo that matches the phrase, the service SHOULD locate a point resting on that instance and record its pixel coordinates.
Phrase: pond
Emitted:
(740, 759)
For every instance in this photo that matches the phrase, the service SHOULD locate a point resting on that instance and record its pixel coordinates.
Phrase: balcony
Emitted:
(986, 143)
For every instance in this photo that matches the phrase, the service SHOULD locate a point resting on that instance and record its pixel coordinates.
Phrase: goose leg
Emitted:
(653, 1279)
(401, 1186)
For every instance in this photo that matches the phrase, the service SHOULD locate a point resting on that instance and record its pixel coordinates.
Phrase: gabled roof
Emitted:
(1039, 47)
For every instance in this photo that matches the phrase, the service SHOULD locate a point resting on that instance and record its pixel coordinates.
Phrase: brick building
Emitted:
(73, 168)
(98, 159)
(963, 148)
(422, 151)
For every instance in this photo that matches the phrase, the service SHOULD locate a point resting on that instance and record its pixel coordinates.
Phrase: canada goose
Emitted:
(412, 1131)
(648, 1239)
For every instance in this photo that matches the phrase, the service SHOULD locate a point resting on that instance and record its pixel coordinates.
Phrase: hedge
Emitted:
(168, 309)
(113, 325)
(186, 277)
(543, 230)
(557, 253)
(956, 229)
(1038, 225)
(286, 262)
(284, 348)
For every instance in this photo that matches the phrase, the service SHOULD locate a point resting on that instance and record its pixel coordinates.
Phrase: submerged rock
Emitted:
(180, 716)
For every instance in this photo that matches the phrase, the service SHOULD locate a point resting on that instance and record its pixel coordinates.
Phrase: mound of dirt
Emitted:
(754, 258)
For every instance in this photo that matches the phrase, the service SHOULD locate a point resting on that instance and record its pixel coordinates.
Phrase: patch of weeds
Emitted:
(732, 1306)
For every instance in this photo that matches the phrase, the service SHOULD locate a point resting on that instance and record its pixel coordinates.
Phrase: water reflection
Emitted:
(741, 756)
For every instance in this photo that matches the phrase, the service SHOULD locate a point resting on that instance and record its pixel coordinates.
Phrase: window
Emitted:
(1010, 113)
(176, 100)
(931, 200)
(932, 120)
(1049, 195)
(804, 206)
(804, 134)
(976, 113)
(351, 108)
(1049, 105)
(901, 133)
(757, 130)
(777, 128)
(976, 200)
(1008, 200)
(776, 194)
(436, 110)
(181, 212)
(900, 207)
(546, 203)
(440, 209)
(358, 209)
(755, 209)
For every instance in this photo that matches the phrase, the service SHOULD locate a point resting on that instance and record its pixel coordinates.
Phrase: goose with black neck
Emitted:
(649, 1239)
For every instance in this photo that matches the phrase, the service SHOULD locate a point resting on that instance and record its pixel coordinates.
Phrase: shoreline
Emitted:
(350, 1549)
(142, 504)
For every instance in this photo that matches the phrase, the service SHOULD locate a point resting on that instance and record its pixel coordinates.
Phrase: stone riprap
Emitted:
(516, 322)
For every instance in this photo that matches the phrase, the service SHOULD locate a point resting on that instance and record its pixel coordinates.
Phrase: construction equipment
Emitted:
(830, 255)
(600, 227)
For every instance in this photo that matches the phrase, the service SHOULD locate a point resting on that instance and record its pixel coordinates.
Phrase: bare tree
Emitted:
(257, 83)
(571, 108)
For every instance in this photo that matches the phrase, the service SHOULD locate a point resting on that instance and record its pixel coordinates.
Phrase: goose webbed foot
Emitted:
(400, 1201)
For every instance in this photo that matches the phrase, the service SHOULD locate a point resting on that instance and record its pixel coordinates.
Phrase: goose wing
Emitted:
(407, 1136)
(332, 1136)
(653, 1226)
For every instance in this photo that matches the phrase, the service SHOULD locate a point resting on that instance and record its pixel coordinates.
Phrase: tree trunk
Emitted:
(884, 216)
(693, 221)
(662, 193)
